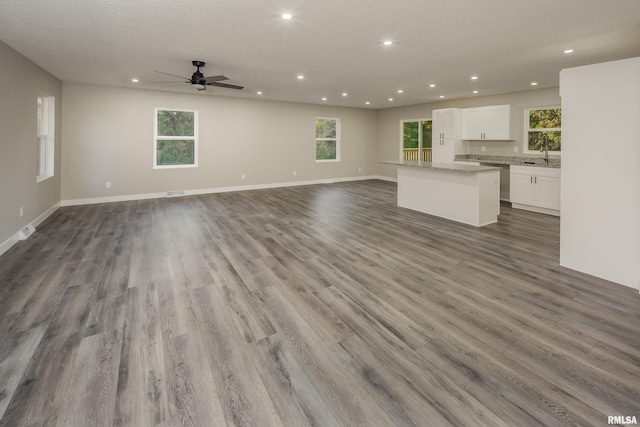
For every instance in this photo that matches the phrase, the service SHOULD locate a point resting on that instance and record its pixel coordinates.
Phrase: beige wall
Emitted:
(21, 81)
(108, 136)
(388, 126)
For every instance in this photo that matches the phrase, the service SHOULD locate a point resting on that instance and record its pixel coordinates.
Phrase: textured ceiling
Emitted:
(336, 44)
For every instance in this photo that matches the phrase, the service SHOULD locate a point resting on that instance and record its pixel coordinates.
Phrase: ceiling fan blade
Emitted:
(172, 75)
(228, 86)
(216, 78)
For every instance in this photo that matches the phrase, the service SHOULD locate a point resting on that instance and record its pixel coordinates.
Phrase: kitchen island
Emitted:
(465, 193)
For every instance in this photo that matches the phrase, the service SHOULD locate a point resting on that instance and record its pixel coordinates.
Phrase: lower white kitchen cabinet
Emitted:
(535, 188)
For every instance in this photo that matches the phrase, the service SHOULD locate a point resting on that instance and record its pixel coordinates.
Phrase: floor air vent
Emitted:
(26, 232)
(175, 193)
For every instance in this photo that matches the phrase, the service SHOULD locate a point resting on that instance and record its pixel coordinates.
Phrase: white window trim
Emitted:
(49, 125)
(336, 139)
(525, 140)
(156, 138)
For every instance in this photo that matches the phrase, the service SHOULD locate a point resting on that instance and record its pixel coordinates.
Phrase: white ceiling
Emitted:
(336, 44)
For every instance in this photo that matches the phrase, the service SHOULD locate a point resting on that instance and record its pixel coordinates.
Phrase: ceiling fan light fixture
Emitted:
(200, 82)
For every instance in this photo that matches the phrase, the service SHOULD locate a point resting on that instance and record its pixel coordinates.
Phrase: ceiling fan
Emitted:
(200, 82)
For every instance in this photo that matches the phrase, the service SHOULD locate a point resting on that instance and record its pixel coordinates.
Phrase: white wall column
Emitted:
(600, 201)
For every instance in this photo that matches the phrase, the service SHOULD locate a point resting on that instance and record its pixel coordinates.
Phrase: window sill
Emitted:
(175, 166)
(328, 161)
(41, 178)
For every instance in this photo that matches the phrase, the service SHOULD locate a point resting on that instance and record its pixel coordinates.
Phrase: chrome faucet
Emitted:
(545, 147)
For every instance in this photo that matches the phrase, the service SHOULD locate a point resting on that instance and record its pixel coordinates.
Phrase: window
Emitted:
(45, 151)
(416, 139)
(543, 121)
(327, 139)
(175, 142)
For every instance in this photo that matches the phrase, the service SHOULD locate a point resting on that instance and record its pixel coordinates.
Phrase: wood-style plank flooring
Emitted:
(321, 305)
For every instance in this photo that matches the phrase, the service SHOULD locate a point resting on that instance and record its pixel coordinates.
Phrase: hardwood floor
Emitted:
(321, 305)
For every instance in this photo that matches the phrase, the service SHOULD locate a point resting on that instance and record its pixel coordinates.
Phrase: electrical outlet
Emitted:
(359, 169)
(107, 184)
(295, 173)
(242, 176)
(21, 211)
(484, 148)
(515, 149)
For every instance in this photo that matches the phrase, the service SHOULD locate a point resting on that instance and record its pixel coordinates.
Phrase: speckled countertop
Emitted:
(509, 160)
(454, 167)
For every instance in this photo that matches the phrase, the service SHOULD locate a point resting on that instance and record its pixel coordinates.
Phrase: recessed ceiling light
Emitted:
(259, 93)
(344, 93)
(432, 85)
(475, 91)
(390, 99)
(388, 43)
(286, 16)
(474, 77)
(134, 80)
(534, 83)
(300, 77)
(400, 91)
(441, 96)
(367, 103)
(568, 51)
(324, 99)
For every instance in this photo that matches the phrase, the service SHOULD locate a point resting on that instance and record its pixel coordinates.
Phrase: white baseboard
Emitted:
(130, 197)
(535, 209)
(5, 246)
(385, 178)
(39, 220)
(112, 199)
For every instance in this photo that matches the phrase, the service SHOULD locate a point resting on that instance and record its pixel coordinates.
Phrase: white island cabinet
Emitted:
(536, 189)
(488, 123)
(465, 193)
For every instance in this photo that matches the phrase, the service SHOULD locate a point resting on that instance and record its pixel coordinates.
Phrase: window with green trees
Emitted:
(176, 138)
(543, 121)
(416, 139)
(327, 139)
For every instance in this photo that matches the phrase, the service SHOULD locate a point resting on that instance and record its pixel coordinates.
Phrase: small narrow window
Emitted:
(327, 139)
(175, 142)
(45, 148)
(543, 121)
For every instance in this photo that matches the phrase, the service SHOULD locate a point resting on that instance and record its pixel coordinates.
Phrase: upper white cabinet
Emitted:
(446, 141)
(488, 123)
(446, 123)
